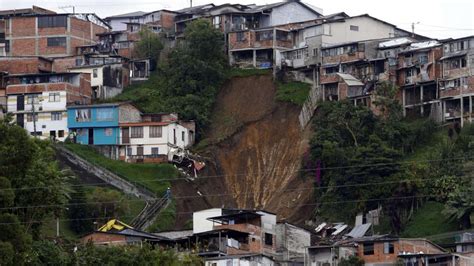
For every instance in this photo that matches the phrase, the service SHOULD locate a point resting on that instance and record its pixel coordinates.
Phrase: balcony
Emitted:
(329, 78)
(260, 39)
(39, 87)
(344, 58)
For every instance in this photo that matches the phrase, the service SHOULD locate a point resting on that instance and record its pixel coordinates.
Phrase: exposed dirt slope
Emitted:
(257, 146)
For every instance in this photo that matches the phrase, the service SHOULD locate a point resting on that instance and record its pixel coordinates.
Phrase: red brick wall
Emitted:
(36, 88)
(412, 246)
(23, 26)
(22, 47)
(101, 238)
(342, 90)
(330, 78)
(457, 91)
(343, 58)
(46, 50)
(167, 20)
(24, 65)
(62, 64)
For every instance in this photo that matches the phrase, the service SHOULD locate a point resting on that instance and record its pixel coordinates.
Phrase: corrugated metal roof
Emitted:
(359, 231)
(131, 14)
(350, 80)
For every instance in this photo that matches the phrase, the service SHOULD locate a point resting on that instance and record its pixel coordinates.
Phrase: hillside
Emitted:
(256, 145)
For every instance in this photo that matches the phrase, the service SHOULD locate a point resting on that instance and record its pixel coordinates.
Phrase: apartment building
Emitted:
(456, 85)
(48, 35)
(417, 76)
(38, 101)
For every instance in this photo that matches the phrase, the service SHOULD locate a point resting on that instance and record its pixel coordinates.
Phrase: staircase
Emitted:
(153, 205)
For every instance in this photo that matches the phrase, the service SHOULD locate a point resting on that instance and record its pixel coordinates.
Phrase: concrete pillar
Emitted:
(421, 100)
(443, 107)
(404, 102)
(470, 109)
(462, 111)
(254, 62)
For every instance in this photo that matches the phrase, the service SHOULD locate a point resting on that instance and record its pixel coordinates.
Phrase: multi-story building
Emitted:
(417, 76)
(38, 101)
(122, 132)
(49, 35)
(456, 85)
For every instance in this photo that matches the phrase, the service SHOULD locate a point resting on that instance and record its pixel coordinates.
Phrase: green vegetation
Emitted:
(147, 175)
(166, 219)
(387, 160)
(187, 82)
(429, 220)
(247, 72)
(149, 46)
(293, 92)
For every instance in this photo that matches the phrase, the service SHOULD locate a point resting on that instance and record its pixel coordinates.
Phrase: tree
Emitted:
(79, 211)
(107, 203)
(149, 46)
(351, 261)
(460, 205)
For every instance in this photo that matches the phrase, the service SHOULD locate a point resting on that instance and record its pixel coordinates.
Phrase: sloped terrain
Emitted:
(256, 147)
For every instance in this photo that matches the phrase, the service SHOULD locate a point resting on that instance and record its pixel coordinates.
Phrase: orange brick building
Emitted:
(48, 35)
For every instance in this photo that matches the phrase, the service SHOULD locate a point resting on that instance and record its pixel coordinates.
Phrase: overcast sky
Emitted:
(437, 18)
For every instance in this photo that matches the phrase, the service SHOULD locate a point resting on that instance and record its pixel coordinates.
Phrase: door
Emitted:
(91, 136)
(20, 102)
(125, 135)
(20, 120)
(140, 151)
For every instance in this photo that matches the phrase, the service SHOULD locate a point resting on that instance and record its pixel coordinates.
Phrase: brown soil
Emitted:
(256, 150)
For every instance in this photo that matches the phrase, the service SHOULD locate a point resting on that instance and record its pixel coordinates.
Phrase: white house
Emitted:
(152, 138)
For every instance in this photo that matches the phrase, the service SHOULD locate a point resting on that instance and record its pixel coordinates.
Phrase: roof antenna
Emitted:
(191, 3)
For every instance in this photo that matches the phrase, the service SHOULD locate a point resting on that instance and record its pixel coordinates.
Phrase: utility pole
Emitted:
(413, 28)
(190, 3)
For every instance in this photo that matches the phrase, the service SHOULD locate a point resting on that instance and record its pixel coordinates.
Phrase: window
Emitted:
(108, 132)
(155, 131)
(315, 52)
(83, 115)
(331, 70)
(57, 42)
(52, 21)
(79, 61)
(155, 151)
(54, 97)
(240, 36)
(32, 99)
(354, 28)
(368, 248)
(388, 248)
(463, 62)
(282, 35)
(60, 133)
(136, 132)
(182, 135)
(268, 239)
(129, 150)
(264, 35)
(105, 114)
(216, 22)
(94, 73)
(56, 116)
(29, 117)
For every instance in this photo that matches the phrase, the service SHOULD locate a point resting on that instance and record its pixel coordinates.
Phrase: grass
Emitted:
(166, 219)
(247, 72)
(146, 175)
(293, 92)
(429, 220)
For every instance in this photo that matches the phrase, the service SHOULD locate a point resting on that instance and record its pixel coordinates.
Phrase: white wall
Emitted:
(339, 32)
(290, 13)
(200, 222)
(118, 24)
(268, 221)
(95, 81)
(43, 110)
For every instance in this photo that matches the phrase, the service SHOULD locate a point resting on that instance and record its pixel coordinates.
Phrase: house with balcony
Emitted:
(39, 101)
(456, 86)
(418, 72)
(122, 132)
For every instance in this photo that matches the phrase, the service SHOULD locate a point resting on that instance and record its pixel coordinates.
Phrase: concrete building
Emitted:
(456, 85)
(38, 101)
(48, 35)
(374, 250)
(121, 132)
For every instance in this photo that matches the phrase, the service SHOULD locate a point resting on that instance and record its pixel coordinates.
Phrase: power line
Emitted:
(152, 180)
(226, 194)
(301, 205)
